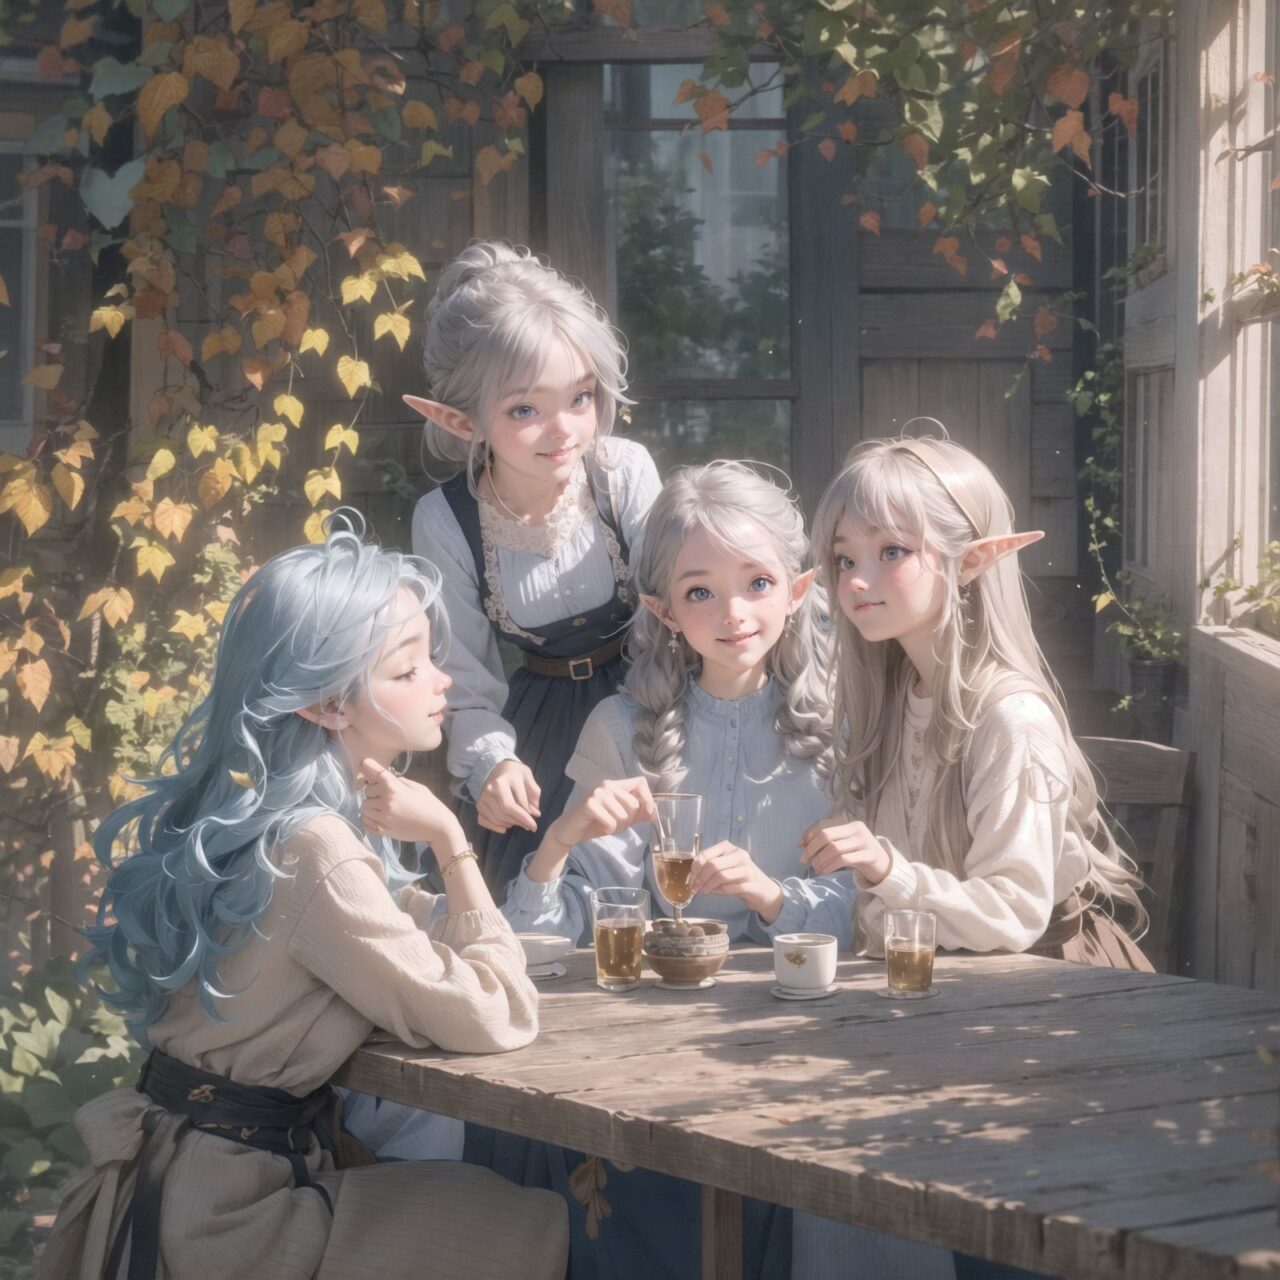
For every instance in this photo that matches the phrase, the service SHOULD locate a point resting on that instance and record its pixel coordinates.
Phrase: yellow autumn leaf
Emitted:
(268, 326)
(217, 610)
(132, 510)
(8, 753)
(8, 656)
(157, 96)
(353, 374)
(240, 778)
(313, 530)
(239, 12)
(320, 482)
(152, 558)
(271, 434)
(97, 120)
(340, 436)
(400, 263)
(139, 680)
(70, 484)
(359, 288)
(31, 641)
(215, 482)
(202, 440)
(162, 462)
(109, 318)
(529, 87)
(246, 462)
(190, 625)
(80, 733)
(52, 758)
(213, 58)
(172, 518)
(418, 115)
(44, 377)
(116, 604)
(226, 341)
(11, 580)
(395, 324)
(34, 682)
(28, 498)
(316, 340)
(289, 407)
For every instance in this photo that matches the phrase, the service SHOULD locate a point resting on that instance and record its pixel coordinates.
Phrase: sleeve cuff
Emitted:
(484, 763)
(459, 928)
(791, 918)
(898, 888)
(534, 897)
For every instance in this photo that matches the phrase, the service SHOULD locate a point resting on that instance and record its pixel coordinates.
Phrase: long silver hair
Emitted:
(740, 509)
(496, 314)
(934, 493)
(245, 772)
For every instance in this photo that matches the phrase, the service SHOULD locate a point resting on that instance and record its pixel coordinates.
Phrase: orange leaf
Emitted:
(1042, 352)
(1045, 322)
(987, 329)
(705, 161)
(529, 87)
(713, 110)
(827, 149)
(1066, 129)
(859, 85)
(1023, 279)
(917, 147)
(618, 10)
(255, 371)
(1275, 183)
(490, 162)
(172, 343)
(472, 72)
(1069, 84)
(998, 268)
(870, 221)
(1004, 63)
(717, 15)
(1030, 245)
(928, 211)
(1126, 110)
(1004, 244)
(763, 157)
(948, 246)
(847, 130)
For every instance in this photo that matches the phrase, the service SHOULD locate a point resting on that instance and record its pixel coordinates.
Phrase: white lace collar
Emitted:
(573, 508)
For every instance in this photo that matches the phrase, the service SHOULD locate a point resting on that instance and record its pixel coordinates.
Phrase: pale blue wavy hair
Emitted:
(304, 629)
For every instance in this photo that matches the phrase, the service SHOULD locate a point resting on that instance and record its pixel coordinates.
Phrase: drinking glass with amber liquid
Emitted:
(618, 919)
(676, 839)
(910, 939)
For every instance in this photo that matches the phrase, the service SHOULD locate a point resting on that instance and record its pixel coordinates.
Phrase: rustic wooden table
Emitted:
(1071, 1120)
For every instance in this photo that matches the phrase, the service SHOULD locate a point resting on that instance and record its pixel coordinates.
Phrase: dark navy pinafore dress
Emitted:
(548, 712)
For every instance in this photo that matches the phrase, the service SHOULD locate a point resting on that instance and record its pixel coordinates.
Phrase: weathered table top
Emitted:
(1072, 1120)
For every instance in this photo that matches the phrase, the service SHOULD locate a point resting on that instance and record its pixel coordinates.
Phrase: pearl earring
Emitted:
(673, 642)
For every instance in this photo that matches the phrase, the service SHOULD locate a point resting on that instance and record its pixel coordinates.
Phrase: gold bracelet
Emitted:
(466, 853)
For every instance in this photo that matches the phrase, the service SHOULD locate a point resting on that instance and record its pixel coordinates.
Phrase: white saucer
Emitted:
(686, 986)
(783, 994)
(542, 972)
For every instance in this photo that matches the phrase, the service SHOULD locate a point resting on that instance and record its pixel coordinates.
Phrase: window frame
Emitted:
(15, 433)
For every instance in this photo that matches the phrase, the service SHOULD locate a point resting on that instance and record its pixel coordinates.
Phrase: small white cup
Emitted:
(804, 962)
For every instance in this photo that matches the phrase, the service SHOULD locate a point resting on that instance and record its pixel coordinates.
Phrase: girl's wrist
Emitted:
(767, 903)
(548, 862)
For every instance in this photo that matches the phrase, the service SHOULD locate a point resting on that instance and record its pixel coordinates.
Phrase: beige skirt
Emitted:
(1084, 934)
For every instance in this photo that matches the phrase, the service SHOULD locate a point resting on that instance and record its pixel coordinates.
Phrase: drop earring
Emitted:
(673, 642)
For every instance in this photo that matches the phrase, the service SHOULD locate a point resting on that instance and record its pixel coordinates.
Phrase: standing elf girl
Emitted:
(535, 535)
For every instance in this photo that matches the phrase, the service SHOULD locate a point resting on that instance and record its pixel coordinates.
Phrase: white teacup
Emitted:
(804, 961)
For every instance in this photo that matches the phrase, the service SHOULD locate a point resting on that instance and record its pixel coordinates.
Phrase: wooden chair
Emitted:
(1147, 789)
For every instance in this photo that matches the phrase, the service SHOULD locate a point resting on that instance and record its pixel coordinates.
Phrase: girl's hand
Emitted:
(406, 810)
(828, 846)
(726, 869)
(613, 806)
(509, 798)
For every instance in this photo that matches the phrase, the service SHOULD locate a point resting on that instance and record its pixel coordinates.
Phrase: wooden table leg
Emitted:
(721, 1234)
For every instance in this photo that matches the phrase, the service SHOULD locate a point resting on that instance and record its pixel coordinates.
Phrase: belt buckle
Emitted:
(581, 668)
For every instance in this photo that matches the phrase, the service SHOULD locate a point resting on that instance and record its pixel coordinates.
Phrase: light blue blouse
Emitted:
(756, 795)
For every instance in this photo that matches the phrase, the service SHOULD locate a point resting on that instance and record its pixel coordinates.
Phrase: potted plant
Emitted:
(1153, 646)
(1256, 605)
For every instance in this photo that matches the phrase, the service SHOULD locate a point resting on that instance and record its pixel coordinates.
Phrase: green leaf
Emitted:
(59, 1006)
(110, 77)
(11, 1222)
(1008, 302)
(1047, 225)
(387, 122)
(156, 54)
(431, 148)
(107, 196)
(170, 9)
(50, 138)
(1027, 186)
(221, 159)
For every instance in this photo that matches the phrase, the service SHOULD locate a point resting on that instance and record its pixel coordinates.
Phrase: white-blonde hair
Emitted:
(934, 493)
(496, 313)
(741, 510)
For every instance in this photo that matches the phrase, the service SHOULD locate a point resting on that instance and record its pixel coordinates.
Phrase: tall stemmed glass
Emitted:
(677, 837)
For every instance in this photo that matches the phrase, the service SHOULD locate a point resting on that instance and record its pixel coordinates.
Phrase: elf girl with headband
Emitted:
(963, 790)
(535, 534)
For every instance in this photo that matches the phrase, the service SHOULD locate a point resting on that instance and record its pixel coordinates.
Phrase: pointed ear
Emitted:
(800, 588)
(328, 715)
(657, 608)
(449, 419)
(981, 555)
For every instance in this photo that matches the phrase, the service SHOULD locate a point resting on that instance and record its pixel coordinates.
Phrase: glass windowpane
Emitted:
(678, 433)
